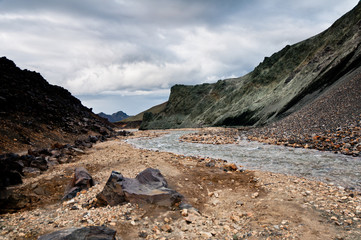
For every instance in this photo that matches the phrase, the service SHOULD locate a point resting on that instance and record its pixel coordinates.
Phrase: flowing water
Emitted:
(324, 166)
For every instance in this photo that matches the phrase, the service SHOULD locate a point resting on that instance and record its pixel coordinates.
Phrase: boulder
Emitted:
(11, 170)
(81, 180)
(124, 133)
(85, 233)
(39, 162)
(93, 139)
(148, 187)
(230, 167)
(112, 193)
(26, 160)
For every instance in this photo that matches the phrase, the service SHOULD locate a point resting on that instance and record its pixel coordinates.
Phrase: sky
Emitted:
(126, 55)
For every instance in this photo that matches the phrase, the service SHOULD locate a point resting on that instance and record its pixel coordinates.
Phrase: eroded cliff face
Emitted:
(283, 83)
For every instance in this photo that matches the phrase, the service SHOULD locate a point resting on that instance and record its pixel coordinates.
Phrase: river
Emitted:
(328, 167)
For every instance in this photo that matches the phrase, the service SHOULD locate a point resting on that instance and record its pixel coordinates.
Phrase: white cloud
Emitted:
(115, 47)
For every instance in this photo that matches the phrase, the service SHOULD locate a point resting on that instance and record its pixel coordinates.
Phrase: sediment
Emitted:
(232, 203)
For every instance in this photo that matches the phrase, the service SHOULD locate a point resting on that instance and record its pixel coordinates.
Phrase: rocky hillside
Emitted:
(332, 122)
(282, 84)
(115, 117)
(136, 121)
(35, 114)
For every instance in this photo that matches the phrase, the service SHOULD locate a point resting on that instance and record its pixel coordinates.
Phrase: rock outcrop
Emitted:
(13, 167)
(35, 114)
(82, 180)
(149, 186)
(282, 84)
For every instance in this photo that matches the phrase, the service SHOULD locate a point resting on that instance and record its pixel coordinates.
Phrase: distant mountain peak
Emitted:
(115, 117)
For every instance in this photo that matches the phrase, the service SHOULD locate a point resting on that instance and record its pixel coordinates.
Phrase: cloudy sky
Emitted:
(126, 54)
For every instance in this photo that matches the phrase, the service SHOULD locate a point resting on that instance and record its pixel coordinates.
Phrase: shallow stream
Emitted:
(324, 166)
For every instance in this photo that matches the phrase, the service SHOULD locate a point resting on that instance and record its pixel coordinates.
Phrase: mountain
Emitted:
(282, 84)
(115, 117)
(135, 121)
(35, 114)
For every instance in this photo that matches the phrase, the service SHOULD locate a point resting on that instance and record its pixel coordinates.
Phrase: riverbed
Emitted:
(328, 167)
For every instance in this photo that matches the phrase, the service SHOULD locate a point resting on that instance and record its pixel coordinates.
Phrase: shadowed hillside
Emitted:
(34, 113)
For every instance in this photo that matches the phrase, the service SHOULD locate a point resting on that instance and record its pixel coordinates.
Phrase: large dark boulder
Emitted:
(148, 187)
(11, 170)
(112, 193)
(40, 163)
(85, 233)
(81, 180)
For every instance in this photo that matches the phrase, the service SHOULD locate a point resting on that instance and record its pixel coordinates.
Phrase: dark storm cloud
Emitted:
(143, 47)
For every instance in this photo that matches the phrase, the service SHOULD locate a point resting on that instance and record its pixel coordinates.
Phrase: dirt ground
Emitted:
(232, 204)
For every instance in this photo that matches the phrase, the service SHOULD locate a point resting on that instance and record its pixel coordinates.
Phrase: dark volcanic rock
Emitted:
(81, 180)
(10, 170)
(13, 167)
(112, 193)
(40, 163)
(85, 233)
(36, 113)
(149, 186)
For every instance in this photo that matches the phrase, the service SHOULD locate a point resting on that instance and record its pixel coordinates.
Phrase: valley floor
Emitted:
(232, 204)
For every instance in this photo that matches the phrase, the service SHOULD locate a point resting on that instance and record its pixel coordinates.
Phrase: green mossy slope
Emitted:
(280, 85)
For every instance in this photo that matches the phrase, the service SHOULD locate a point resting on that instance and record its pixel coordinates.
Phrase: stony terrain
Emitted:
(213, 136)
(232, 203)
(331, 123)
(35, 114)
(35, 162)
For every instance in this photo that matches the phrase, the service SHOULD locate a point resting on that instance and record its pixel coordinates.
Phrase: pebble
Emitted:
(167, 228)
(255, 195)
(206, 234)
(228, 223)
(184, 212)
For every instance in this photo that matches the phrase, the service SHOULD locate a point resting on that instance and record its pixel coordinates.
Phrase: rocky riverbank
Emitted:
(232, 203)
(330, 123)
(35, 162)
(213, 136)
(344, 140)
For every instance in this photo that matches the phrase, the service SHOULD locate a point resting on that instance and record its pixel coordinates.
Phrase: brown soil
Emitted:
(232, 204)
